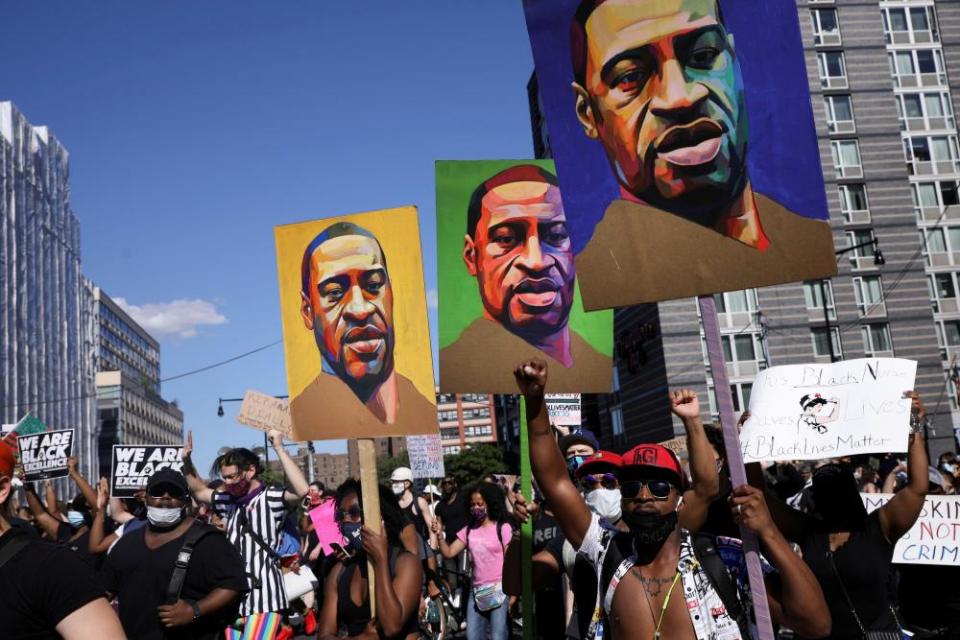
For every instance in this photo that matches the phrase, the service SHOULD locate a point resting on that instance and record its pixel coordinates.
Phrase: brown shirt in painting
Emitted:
(482, 359)
(327, 409)
(639, 253)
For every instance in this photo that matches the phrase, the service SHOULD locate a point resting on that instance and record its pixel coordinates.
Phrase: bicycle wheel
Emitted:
(433, 622)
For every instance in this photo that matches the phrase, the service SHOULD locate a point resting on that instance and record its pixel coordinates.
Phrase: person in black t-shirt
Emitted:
(46, 591)
(139, 569)
(453, 516)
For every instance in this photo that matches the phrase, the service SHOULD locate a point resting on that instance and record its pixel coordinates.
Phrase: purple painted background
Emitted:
(782, 154)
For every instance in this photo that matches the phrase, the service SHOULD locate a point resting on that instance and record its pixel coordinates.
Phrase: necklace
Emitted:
(663, 608)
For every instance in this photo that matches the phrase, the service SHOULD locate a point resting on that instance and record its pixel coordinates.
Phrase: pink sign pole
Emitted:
(738, 473)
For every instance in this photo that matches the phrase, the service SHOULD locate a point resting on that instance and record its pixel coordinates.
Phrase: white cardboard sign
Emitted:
(934, 538)
(564, 409)
(815, 411)
(426, 456)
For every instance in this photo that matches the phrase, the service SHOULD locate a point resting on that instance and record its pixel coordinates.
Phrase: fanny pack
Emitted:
(489, 596)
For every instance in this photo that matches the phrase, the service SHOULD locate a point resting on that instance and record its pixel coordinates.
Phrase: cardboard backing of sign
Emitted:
(132, 466)
(44, 455)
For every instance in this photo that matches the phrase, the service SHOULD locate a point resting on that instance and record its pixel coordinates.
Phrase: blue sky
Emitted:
(195, 127)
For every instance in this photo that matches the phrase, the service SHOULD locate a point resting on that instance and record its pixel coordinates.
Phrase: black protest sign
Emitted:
(44, 455)
(134, 464)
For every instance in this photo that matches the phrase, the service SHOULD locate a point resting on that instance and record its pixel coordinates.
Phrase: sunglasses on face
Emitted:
(353, 513)
(659, 489)
(160, 491)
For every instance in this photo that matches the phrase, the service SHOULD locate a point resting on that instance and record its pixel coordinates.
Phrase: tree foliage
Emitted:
(386, 465)
(470, 465)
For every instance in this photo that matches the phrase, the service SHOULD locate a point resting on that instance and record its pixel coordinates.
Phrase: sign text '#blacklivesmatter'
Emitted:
(934, 539)
(808, 412)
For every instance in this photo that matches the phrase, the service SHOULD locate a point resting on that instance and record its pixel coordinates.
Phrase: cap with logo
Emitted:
(600, 463)
(652, 461)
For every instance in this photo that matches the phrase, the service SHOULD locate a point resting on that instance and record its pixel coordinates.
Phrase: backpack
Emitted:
(621, 548)
(499, 536)
(190, 539)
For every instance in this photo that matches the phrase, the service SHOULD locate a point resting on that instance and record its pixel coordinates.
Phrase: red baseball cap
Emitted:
(7, 460)
(652, 459)
(599, 463)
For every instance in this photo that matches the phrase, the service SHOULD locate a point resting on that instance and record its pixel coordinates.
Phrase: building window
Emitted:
(812, 294)
(862, 256)
(917, 68)
(833, 71)
(449, 415)
(943, 292)
(868, 291)
(840, 114)
(826, 27)
(914, 25)
(446, 398)
(942, 240)
(741, 395)
(736, 301)
(930, 197)
(846, 158)
(876, 340)
(820, 346)
(853, 203)
(925, 111)
(927, 155)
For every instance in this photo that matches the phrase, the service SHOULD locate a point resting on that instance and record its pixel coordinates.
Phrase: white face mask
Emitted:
(605, 503)
(75, 518)
(161, 517)
(949, 468)
(398, 488)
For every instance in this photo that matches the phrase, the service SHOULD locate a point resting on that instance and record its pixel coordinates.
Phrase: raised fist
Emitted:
(531, 377)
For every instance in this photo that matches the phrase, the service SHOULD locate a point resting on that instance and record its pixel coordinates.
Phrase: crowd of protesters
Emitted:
(632, 544)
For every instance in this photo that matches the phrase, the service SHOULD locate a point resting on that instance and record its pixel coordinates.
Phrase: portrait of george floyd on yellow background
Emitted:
(507, 284)
(355, 332)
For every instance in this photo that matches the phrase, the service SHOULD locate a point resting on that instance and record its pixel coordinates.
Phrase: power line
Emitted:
(185, 374)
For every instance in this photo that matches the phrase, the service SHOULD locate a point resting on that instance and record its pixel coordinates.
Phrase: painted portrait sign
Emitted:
(355, 331)
(507, 283)
(685, 145)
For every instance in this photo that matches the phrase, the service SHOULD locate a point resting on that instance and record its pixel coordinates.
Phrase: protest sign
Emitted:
(426, 456)
(678, 445)
(6, 428)
(564, 409)
(325, 525)
(132, 466)
(507, 285)
(265, 412)
(814, 411)
(353, 307)
(44, 455)
(934, 538)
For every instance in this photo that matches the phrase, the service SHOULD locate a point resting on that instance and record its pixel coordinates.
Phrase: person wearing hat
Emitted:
(46, 590)
(651, 582)
(139, 569)
(577, 446)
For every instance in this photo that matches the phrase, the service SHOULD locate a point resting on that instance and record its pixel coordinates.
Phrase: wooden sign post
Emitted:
(370, 487)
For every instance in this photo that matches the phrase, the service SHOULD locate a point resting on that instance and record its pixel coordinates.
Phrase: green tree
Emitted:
(470, 465)
(387, 464)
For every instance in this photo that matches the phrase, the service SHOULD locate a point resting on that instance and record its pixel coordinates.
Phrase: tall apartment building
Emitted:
(47, 337)
(884, 109)
(129, 405)
(466, 419)
(329, 468)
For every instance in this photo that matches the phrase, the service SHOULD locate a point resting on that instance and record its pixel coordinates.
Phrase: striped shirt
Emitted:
(265, 515)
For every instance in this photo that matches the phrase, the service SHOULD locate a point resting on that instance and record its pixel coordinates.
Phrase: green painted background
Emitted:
(459, 296)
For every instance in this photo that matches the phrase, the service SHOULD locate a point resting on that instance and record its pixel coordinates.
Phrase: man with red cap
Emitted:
(46, 590)
(651, 582)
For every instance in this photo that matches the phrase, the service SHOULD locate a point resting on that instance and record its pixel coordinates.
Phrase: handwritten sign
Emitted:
(426, 456)
(132, 466)
(44, 455)
(264, 412)
(564, 409)
(814, 411)
(678, 445)
(934, 538)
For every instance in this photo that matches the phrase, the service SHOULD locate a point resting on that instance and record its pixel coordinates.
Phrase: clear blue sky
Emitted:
(195, 127)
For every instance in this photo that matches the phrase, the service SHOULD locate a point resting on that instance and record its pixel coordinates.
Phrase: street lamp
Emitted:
(878, 260)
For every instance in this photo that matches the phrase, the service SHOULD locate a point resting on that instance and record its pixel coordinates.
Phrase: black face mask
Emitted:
(836, 498)
(650, 529)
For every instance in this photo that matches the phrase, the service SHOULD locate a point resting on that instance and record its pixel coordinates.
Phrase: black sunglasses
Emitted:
(162, 489)
(354, 513)
(659, 489)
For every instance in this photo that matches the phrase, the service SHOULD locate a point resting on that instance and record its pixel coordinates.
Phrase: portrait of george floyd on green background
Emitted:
(507, 284)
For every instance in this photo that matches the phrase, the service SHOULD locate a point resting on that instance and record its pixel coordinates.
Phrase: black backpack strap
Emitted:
(713, 565)
(246, 528)
(196, 531)
(12, 548)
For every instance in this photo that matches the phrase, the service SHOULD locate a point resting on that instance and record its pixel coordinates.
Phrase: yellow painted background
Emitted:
(399, 234)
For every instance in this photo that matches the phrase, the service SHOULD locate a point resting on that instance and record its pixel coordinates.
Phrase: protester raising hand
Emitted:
(531, 377)
(685, 404)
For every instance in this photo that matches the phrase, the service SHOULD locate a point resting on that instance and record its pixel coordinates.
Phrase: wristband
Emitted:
(196, 609)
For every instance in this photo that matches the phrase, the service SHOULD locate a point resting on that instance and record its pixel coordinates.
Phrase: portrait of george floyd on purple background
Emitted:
(684, 144)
